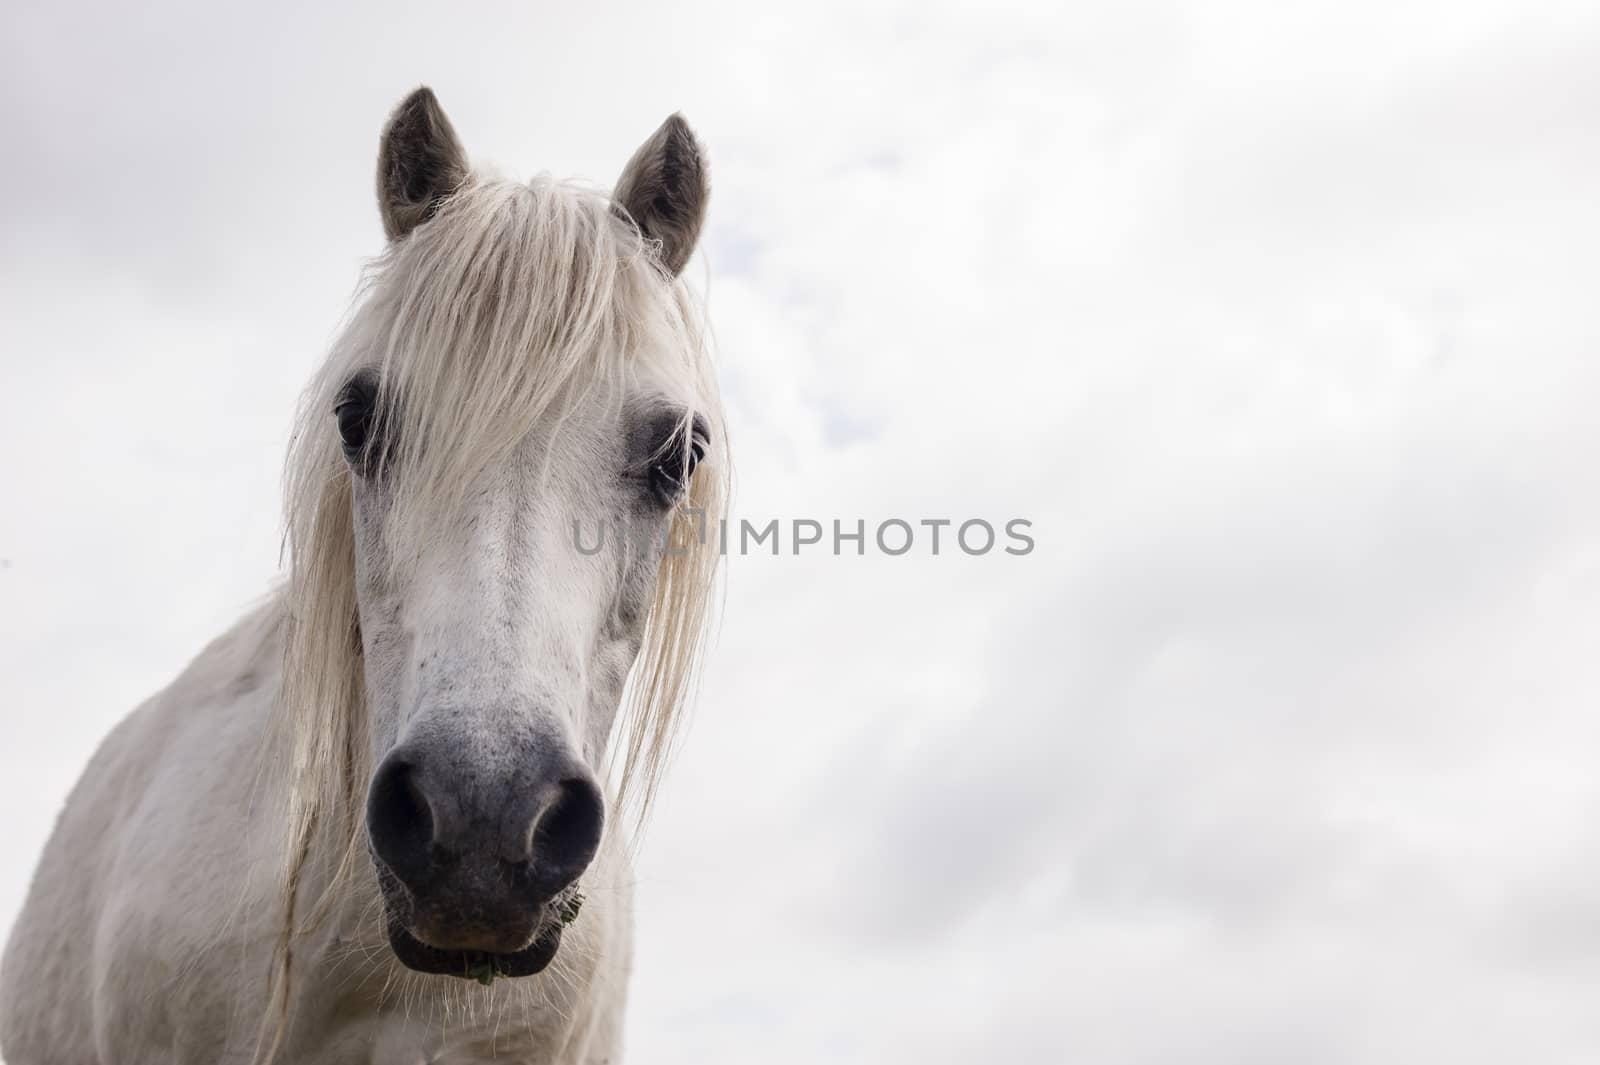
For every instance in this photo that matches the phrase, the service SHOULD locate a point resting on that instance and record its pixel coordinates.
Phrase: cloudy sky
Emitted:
(1276, 321)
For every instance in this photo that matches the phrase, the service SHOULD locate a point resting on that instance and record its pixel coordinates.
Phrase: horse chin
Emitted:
(480, 965)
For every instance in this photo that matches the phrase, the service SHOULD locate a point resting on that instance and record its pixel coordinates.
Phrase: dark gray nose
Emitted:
(480, 850)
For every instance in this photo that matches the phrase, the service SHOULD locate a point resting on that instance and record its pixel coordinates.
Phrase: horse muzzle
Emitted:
(477, 864)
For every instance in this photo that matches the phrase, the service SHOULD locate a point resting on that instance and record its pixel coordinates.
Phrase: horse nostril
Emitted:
(440, 833)
(400, 819)
(567, 833)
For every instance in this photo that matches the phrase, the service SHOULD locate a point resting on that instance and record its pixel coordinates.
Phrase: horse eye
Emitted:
(354, 412)
(669, 477)
(355, 423)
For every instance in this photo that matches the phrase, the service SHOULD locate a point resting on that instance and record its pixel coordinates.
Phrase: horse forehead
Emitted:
(572, 472)
(569, 458)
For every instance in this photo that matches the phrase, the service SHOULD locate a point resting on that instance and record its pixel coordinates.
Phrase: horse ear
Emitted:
(664, 189)
(420, 162)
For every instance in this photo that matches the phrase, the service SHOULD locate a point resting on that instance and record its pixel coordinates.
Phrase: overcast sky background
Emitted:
(1278, 321)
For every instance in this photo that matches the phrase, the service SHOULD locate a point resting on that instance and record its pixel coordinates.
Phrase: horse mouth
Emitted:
(400, 913)
(480, 965)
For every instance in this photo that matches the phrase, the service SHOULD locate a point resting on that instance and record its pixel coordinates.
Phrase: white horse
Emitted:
(444, 680)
